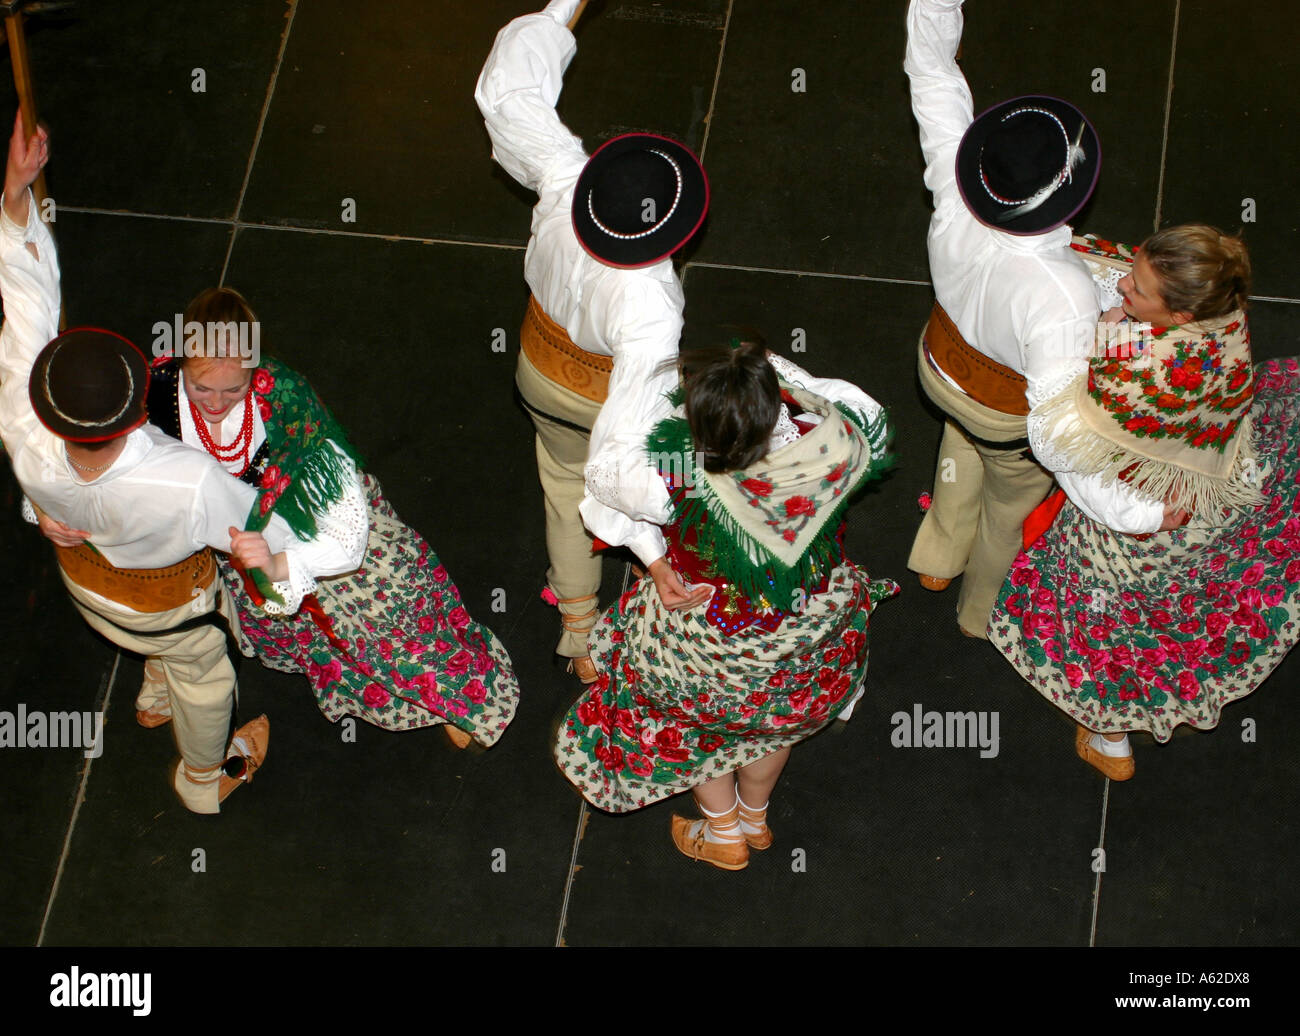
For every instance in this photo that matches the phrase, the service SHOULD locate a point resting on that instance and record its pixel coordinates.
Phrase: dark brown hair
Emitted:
(732, 399)
(1202, 270)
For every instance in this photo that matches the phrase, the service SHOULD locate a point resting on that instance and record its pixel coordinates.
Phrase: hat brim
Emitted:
(670, 234)
(1063, 204)
(130, 416)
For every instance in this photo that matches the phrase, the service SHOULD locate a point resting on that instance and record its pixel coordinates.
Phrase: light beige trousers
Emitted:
(200, 680)
(574, 573)
(982, 495)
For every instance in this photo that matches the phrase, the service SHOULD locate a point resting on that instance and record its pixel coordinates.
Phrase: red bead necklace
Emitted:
(239, 447)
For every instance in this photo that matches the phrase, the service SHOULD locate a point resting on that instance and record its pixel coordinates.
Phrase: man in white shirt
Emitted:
(72, 421)
(1017, 318)
(600, 338)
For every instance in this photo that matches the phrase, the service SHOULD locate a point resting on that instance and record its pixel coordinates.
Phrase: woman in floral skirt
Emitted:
(389, 642)
(1146, 632)
(757, 472)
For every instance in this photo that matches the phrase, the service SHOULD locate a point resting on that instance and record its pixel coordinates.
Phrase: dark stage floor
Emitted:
(818, 223)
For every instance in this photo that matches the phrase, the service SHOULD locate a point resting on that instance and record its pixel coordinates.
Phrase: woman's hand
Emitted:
(250, 550)
(1175, 518)
(673, 592)
(59, 534)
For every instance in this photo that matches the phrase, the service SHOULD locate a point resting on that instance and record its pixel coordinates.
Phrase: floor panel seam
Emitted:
(717, 78)
(1096, 887)
(240, 224)
(809, 273)
(257, 137)
(573, 870)
(76, 808)
(1169, 105)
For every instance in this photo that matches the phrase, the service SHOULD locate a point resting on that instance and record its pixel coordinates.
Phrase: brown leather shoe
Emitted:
(255, 736)
(688, 836)
(456, 736)
(1117, 768)
(935, 583)
(584, 669)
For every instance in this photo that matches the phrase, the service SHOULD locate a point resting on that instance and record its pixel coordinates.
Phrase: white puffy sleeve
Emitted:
(338, 546)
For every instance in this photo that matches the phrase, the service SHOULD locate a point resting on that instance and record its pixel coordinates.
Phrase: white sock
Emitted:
(1115, 749)
(719, 833)
(745, 826)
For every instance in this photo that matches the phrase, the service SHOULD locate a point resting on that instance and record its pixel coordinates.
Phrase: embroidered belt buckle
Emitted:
(549, 348)
(986, 381)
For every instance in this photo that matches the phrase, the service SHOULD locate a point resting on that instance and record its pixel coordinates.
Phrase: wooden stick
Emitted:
(27, 105)
(577, 14)
(23, 84)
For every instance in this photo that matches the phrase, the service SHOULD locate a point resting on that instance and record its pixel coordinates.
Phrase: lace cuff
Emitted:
(29, 512)
(299, 584)
(1108, 293)
(784, 432)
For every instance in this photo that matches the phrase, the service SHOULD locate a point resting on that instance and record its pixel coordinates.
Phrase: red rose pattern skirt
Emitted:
(1144, 633)
(401, 651)
(679, 702)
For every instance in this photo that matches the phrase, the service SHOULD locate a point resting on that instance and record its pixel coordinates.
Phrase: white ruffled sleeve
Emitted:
(837, 391)
(338, 546)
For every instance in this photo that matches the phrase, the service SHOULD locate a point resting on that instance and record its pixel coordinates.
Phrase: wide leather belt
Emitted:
(549, 349)
(147, 590)
(986, 381)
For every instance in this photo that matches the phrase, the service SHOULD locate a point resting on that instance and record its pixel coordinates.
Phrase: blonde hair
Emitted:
(1202, 270)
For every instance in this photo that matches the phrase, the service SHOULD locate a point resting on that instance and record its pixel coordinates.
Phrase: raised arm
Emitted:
(29, 283)
(517, 90)
(941, 99)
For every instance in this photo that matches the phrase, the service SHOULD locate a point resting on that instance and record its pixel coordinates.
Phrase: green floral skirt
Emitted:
(1147, 632)
(678, 702)
(390, 643)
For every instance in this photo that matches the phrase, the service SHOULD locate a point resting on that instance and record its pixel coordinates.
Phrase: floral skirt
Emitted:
(678, 702)
(1147, 632)
(390, 643)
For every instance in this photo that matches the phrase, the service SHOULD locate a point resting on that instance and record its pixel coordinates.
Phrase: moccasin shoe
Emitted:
(245, 755)
(688, 836)
(456, 736)
(935, 583)
(1117, 768)
(584, 669)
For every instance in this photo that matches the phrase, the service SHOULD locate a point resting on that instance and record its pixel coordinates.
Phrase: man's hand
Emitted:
(59, 534)
(673, 592)
(250, 550)
(27, 157)
(1175, 518)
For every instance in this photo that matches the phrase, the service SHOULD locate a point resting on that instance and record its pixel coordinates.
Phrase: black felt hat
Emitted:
(89, 385)
(638, 199)
(1028, 165)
